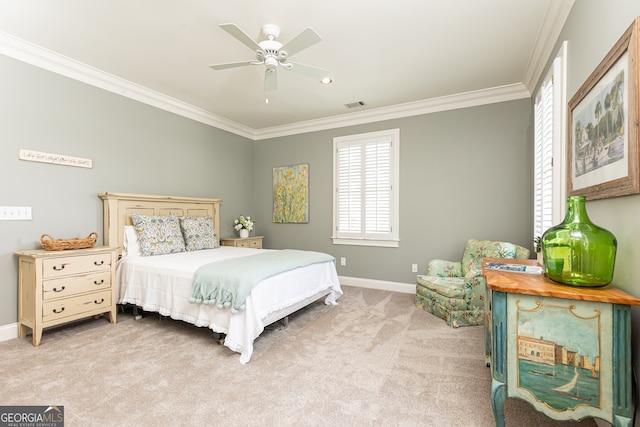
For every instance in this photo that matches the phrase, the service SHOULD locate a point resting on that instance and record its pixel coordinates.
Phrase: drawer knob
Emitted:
(58, 290)
(98, 282)
(98, 263)
(98, 302)
(59, 267)
(55, 310)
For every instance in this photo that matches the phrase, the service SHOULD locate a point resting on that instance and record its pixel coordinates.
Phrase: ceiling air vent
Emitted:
(355, 104)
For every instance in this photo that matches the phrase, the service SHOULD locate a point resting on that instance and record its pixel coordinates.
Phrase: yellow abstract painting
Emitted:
(291, 194)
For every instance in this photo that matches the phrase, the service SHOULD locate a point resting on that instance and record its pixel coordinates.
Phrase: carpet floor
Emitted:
(373, 360)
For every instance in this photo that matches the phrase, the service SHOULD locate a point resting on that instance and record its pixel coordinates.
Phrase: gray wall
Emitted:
(463, 173)
(135, 148)
(592, 29)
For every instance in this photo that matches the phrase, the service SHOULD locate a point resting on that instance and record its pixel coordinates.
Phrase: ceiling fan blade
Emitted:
(231, 65)
(309, 70)
(241, 36)
(308, 37)
(270, 80)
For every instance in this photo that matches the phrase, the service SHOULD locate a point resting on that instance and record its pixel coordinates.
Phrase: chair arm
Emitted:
(472, 273)
(475, 290)
(442, 268)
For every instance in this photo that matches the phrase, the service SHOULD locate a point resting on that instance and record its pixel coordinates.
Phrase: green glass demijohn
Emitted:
(576, 251)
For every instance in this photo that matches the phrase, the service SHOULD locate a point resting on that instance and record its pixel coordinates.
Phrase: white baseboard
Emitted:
(383, 285)
(8, 332)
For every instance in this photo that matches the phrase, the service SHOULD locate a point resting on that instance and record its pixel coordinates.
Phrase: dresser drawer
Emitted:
(254, 242)
(56, 287)
(250, 243)
(60, 308)
(72, 285)
(64, 266)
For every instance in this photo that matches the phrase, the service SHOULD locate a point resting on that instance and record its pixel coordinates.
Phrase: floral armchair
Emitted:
(455, 291)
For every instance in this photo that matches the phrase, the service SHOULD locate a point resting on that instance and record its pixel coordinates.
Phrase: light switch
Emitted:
(15, 213)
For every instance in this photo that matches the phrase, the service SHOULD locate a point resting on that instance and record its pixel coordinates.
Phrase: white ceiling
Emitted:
(394, 56)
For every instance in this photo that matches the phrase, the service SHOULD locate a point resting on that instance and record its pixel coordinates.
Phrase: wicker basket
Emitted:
(51, 244)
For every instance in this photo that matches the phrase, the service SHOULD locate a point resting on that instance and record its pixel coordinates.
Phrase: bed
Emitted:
(163, 283)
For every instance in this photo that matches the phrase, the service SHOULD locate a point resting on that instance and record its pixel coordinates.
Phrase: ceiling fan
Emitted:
(274, 54)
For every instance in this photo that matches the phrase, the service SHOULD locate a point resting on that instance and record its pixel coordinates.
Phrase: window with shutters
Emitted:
(549, 146)
(365, 203)
(543, 137)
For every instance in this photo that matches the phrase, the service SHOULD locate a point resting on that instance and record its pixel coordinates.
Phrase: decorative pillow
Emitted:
(158, 235)
(198, 232)
(131, 244)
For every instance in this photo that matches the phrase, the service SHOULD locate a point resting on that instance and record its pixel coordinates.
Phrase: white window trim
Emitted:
(393, 241)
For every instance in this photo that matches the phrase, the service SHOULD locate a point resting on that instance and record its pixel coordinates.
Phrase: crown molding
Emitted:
(30, 53)
(38, 56)
(433, 105)
(552, 26)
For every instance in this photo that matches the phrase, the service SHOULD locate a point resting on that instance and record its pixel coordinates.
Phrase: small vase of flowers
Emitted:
(243, 224)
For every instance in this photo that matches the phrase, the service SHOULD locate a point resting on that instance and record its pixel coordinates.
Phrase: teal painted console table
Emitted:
(566, 350)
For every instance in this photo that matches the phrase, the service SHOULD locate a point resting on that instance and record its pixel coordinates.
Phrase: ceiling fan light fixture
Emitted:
(272, 53)
(271, 63)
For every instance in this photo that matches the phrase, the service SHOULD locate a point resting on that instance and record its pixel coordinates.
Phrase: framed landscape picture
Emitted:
(291, 194)
(603, 116)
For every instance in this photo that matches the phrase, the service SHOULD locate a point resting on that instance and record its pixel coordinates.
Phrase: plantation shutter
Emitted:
(543, 140)
(349, 189)
(364, 189)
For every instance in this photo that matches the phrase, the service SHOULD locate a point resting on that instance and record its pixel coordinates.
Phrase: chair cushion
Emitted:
(451, 287)
(477, 250)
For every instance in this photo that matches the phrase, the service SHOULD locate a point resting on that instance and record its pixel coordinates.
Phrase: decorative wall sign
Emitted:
(56, 159)
(291, 194)
(603, 136)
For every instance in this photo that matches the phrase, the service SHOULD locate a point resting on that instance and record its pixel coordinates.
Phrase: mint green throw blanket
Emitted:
(229, 282)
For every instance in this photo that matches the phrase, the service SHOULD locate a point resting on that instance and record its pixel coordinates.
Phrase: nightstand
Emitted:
(243, 242)
(57, 287)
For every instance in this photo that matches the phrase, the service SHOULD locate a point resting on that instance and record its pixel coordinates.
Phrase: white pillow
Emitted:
(131, 244)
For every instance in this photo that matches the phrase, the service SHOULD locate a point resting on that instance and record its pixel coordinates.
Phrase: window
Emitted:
(549, 145)
(365, 203)
(543, 171)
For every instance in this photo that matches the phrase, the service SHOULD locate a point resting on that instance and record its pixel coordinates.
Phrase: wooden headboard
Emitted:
(118, 208)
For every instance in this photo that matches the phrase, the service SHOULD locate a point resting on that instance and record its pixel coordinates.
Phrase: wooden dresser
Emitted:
(242, 242)
(564, 349)
(56, 287)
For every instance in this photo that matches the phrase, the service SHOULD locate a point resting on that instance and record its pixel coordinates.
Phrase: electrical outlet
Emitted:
(15, 213)
(343, 261)
(414, 268)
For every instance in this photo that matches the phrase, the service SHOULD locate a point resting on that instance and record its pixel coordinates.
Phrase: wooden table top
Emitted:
(539, 284)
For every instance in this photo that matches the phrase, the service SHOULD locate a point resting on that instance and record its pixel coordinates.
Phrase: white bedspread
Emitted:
(162, 284)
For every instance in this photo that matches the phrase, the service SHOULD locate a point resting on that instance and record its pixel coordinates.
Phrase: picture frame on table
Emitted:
(603, 155)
